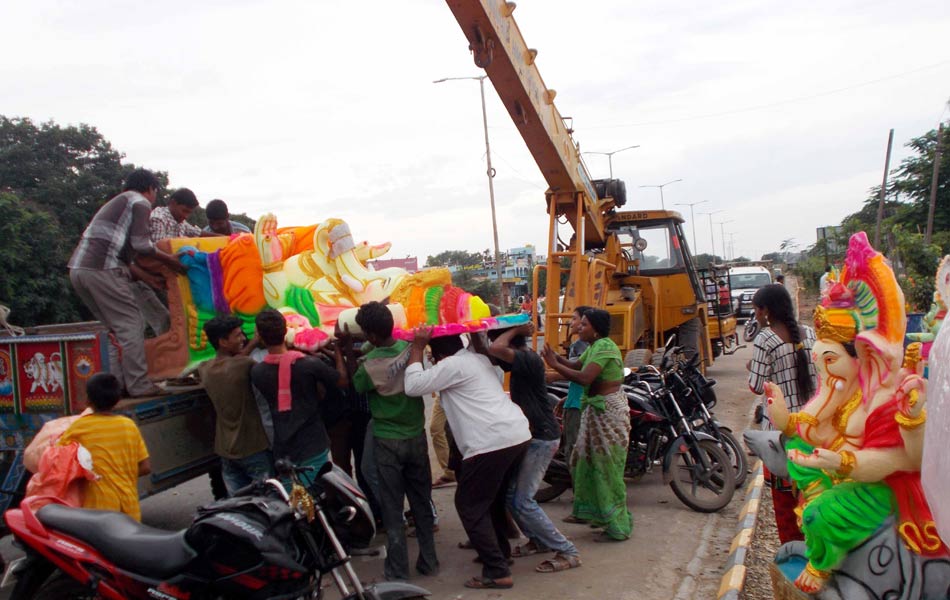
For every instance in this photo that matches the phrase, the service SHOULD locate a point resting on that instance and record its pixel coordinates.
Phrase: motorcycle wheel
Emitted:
(736, 454)
(703, 490)
(62, 587)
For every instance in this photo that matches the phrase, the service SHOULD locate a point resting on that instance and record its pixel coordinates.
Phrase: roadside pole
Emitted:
(933, 186)
(880, 205)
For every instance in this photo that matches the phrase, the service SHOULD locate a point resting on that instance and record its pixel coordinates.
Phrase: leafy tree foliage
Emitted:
(455, 258)
(54, 179)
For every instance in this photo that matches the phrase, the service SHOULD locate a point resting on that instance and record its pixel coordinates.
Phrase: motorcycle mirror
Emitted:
(626, 372)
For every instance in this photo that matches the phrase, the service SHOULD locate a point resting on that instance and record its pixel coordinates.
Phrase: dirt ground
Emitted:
(765, 543)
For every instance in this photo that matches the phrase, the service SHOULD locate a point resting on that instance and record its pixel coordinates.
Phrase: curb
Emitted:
(735, 569)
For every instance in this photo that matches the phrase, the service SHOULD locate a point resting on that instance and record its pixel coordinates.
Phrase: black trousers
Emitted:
(480, 501)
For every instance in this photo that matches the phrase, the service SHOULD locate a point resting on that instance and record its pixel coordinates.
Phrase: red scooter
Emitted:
(263, 545)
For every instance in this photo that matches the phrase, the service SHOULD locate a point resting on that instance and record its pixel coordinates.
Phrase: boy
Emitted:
(400, 447)
(239, 437)
(293, 392)
(119, 455)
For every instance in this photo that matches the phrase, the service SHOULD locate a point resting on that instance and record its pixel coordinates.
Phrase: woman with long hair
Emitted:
(600, 455)
(782, 356)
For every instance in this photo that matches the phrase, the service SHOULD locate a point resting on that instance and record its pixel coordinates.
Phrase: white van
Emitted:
(744, 281)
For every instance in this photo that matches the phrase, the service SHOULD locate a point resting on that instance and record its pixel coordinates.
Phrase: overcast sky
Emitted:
(776, 114)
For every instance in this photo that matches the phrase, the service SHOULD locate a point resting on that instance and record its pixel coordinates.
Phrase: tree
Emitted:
(454, 258)
(54, 179)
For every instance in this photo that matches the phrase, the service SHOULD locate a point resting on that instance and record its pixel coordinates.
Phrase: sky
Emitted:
(774, 115)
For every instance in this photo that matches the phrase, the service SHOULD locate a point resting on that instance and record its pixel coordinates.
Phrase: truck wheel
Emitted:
(638, 358)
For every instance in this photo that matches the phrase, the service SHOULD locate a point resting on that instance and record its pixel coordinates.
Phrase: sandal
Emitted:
(559, 562)
(484, 583)
(466, 545)
(573, 519)
(442, 482)
(527, 550)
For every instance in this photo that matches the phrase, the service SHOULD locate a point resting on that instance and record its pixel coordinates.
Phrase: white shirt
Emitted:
(823, 283)
(482, 417)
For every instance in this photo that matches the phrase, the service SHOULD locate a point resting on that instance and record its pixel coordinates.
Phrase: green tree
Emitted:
(454, 258)
(55, 179)
(35, 291)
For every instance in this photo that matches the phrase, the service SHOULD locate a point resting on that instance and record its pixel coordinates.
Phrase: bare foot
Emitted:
(811, 580)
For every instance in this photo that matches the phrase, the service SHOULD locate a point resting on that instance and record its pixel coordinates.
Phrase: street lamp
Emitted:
(610, 156)
(661, 186)
(722, 231)
(712, 240)
(491, 186)
(692, 222)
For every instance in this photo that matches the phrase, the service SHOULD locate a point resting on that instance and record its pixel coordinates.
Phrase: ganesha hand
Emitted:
(775, 404)
(819, 458)
(911, 396)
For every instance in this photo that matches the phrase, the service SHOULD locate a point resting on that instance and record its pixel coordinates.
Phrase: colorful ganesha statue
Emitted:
(854, 450)
(316, 275)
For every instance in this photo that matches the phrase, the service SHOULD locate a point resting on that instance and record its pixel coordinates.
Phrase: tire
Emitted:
(638, 358)
(750, 330)
(61, 587)
(736, 453)
(703, 491)
(550, 492)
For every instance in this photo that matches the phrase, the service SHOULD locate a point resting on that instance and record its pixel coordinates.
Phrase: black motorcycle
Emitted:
(261, 544)
(694, 465)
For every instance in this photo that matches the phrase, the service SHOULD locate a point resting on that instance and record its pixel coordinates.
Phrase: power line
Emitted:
(779, 103)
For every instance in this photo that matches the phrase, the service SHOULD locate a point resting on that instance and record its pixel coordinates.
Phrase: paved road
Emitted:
(674, 553)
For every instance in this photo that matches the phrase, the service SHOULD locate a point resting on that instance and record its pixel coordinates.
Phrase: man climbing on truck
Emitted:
(99, 272)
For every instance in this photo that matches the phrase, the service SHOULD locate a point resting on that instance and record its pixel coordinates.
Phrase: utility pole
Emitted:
(933, 186)
(880, 204)
(712, 237)
(692, 219)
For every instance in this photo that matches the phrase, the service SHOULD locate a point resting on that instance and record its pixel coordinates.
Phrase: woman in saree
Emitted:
(600, 454)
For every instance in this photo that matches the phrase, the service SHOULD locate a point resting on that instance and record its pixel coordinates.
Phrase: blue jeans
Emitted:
(241, 472)
(532, 520)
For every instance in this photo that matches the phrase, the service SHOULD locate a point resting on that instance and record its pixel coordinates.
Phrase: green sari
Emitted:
(600, 455)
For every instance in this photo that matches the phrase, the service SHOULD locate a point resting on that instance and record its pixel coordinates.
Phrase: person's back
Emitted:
(529, 392)
(119, 455)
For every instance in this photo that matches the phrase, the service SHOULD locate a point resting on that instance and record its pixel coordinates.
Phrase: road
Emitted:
(674, 553)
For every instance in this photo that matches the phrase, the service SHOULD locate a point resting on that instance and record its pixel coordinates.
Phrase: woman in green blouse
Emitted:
(600, 456)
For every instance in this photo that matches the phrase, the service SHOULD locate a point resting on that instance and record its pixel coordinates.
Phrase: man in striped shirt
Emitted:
(99, 272)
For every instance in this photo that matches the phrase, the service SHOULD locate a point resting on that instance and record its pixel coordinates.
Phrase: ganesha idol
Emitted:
(317, 276)
(854, 450)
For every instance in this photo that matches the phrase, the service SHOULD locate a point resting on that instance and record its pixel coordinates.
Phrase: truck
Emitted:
(636, 264)
(42, 377)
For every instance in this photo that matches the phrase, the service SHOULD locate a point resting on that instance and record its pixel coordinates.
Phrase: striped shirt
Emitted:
(774, 360)
(162, 225)
(116, 232)
(117, 448)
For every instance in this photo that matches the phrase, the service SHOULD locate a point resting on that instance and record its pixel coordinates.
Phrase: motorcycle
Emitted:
(694, 465)
(262, 543)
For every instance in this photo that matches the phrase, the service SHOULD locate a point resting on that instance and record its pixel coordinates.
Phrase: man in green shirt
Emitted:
(400, 444)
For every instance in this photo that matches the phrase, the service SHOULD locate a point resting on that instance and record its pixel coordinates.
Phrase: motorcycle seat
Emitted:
(131, 546)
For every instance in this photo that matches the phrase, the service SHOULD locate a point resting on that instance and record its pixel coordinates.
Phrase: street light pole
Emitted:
(692, 222)
(712, 239)
(610, 157)
(661, 186)
(722, 231)
(491, 186)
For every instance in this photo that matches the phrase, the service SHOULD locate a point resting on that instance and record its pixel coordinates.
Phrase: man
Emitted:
(529, 392)
(400, 446)
(492, 435)
(293, 392)
(219, 220)
(239, 437)
(99, 272)
(170, 221)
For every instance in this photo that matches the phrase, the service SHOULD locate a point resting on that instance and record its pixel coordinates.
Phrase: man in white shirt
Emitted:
(824, 284)
(492, 435)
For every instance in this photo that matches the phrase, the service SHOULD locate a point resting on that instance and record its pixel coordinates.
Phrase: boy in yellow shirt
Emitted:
(119, 455)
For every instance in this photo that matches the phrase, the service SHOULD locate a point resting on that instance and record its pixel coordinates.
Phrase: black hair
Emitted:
(582, 310)
(374, 318)
(271, 327)
(216, 210)
(827, 268)
(517, 341)
(219, 328)
(445, 346)
(777, 300)
(600, 320)
(184, 197)
(103, 391)
(141, 180)
(779, 278)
